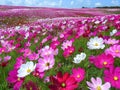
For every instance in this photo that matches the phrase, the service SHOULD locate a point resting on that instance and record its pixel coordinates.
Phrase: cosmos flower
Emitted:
(69, 51)
(2, 50)
(78, 74)
(96, 43)
(45, 63)
(33, 56)
(30, 85)
(66, 44)
(7, 58)
(102, 60)
(63, 82)
(27, 52)
(19, 61)
(54, 44)
(111, 41)
(114, 51)
(113, 32)
(47, 52)
(79, 57)
(97, 84)
(112, 75)
(14, 79)
(26, 69)
(36, 73)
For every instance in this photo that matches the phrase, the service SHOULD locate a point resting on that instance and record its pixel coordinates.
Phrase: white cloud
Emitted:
(50, 4)
(60, 2)
(98, 4)
(44, 3)
(72, 2)
(115, 2)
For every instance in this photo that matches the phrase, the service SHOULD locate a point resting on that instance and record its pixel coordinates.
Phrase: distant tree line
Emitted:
(109, 7)
(105, 7)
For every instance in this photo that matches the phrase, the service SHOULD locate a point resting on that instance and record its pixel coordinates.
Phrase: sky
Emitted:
(61, 3)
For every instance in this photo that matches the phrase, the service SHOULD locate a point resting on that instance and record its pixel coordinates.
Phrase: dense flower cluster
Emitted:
(62, 54)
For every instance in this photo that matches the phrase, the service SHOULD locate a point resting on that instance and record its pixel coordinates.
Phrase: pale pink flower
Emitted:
(114, 51)
(97, 84)
(111, 41)
(66, 44)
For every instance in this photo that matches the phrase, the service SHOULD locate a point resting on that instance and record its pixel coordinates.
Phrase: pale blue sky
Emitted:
(61, 3)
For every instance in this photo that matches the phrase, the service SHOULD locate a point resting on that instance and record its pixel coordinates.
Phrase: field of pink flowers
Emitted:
(59, 53)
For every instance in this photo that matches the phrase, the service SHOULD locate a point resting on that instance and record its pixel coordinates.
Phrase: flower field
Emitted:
(59, 53)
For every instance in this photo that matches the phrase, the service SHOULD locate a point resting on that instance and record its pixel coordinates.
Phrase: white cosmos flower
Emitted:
(113, 32)
(96, 43)
(79, 57)
(26, 69)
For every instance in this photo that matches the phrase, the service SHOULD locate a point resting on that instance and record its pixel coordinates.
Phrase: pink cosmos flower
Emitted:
(47, 52)
(33, 56)
(27, 44)
(2, 50)
(79, 33)
(114, 51)
(66, 44)
(117, 34)
(67, 52)
(102, 61)
(97, 84)
(111, 41)
(7, 58)
(19, 61)
(54, 44)
(112, 75)
(36, 73)
(27, 52)
(45, 63)
(78, 74)
(16, 81)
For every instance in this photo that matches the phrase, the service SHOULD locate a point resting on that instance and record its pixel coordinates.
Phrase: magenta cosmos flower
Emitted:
(63, 82)
(97, 84)
(114, 51)
(45, 63)
(13, 79)
(54, 44)
(102, 60)
(78, 74)
(112, 75)
(69, 51)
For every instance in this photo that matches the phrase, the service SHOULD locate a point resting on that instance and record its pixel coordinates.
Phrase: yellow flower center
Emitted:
(10, 49)
(47, 64)
(117, 51)
(28, 70)
(63, 85)
(37, 74)
(115, 78)
(70, 51)
(98, 88)
(78, 76)
(18, 79)
(31, 88)
(2, 50)
(105, 63)
(96, 44)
